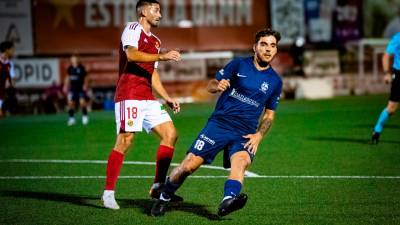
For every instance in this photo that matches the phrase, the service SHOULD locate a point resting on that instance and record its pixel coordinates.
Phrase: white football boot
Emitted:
(71, 121)
(109, 200)
(85, 120)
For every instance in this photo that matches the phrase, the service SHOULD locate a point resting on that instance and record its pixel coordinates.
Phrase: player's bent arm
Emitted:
(386, 62)
(133, 54)
(386, 58)
(213, 86)
(266, 122)
(158, 86)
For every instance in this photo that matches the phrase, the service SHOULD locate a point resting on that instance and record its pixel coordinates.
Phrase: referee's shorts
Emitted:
(395, 89)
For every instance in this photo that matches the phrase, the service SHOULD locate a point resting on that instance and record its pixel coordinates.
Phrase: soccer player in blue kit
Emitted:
(393, 77)
(250, 91)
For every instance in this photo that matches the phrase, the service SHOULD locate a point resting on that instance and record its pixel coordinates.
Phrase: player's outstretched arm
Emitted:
(159, 88)
(215, 86)
(134, 55)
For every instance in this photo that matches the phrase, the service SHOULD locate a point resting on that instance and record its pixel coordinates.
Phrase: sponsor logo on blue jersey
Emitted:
(242, 98)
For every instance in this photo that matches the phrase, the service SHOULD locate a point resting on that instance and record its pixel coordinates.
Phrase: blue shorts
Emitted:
(216, 137)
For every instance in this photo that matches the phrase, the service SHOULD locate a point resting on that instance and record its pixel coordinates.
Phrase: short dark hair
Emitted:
(267, 32)
(141, 3)
(5, 45)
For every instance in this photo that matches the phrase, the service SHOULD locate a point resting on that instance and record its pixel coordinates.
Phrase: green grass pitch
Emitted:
(350, 181)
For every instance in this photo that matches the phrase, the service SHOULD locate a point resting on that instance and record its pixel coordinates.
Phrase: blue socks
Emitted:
(381, 121)
(232, 188)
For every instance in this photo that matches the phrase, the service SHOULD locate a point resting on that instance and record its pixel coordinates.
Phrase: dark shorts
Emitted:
(76, 95)
(216, 137)
(395, 89)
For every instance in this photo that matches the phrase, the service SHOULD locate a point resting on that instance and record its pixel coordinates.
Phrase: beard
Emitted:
(263, 63)
(154, 23)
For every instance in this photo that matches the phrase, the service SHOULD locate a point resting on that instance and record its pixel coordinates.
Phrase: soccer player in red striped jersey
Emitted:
(6, 70)
(135, 106)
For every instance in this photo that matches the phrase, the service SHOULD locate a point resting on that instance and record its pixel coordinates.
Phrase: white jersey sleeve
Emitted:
(131, 35)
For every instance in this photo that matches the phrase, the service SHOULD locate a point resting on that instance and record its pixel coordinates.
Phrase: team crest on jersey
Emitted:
(157, 44)
(130, 123)
(264, 87)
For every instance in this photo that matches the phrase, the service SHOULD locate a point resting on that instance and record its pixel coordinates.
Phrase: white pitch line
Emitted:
(247, 173)
(197, 177)
(88, 177)
(327, 177)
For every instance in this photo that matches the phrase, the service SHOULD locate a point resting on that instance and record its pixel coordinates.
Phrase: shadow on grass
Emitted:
(143, 204)
(146, 204)
(350, 140)
(57, 197)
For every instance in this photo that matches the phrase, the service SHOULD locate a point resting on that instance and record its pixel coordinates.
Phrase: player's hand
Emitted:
(171, 55)
(223, 85)
(174, 105)
(387, 78)
(253, 142)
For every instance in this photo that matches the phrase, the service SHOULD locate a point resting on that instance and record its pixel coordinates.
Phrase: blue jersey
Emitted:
(393, 48)
(251, 92)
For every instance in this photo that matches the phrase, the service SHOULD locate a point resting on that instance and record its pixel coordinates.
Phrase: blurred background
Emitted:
(329, 47)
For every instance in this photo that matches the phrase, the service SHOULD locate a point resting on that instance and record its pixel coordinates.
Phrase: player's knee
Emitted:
(170, 137)
(185, 171)
(128, 139)
(124, 142)
(187, 168)
(391, 109)
(241, 163)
